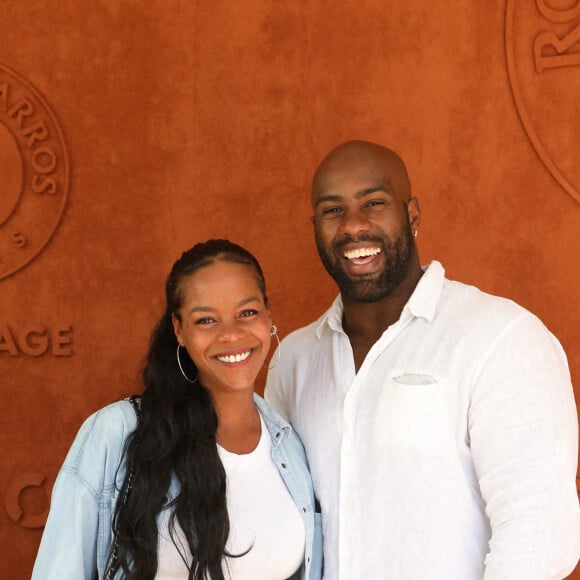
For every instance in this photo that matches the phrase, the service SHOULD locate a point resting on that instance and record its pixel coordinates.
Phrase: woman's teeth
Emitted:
(234, 358)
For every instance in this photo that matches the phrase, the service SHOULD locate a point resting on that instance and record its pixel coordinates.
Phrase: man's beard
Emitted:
(398, 255)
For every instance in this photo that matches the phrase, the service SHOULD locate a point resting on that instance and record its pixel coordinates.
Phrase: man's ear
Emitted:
(414, 212)
(177, 329)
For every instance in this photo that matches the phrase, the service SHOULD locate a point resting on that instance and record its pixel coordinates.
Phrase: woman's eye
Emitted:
(205, 320)
(248, 312)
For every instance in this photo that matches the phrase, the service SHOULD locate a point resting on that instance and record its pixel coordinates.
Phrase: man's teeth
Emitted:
(234, 358)
(361, 253)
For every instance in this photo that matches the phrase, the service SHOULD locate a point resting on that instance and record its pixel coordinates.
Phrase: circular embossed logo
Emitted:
(543, 58)
(34, 173)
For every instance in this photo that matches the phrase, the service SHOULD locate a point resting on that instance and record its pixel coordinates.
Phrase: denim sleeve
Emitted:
(69, 542)
(77, 534)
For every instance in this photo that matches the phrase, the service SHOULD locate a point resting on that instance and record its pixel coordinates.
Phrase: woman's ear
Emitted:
(177, 329)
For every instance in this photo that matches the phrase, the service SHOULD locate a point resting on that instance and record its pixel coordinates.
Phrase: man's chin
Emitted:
(362, 290)
(366, 297)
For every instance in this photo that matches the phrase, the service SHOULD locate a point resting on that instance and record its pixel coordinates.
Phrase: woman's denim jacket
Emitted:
(77, 536)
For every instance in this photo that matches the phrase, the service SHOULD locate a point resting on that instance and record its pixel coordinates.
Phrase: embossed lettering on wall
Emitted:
(35, 173)
(35, 340)
(552, 51)
(543, 58)
(25, 493)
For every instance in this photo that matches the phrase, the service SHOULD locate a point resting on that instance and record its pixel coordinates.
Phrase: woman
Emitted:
(210, 483)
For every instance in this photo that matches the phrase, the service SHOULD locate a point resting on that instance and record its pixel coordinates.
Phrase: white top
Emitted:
(455, 444)
(262, 516)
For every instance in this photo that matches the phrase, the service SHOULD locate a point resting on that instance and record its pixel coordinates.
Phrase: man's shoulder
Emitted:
(308, 333)
(469, 293)
(290, 371)
(475, 306)
(314, 329)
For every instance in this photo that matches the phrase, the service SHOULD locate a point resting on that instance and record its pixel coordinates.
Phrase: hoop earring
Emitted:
(181, 368)
(274, 333)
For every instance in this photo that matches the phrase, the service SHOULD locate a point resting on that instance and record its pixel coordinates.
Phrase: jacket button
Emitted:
(304, 509)
(283, 466)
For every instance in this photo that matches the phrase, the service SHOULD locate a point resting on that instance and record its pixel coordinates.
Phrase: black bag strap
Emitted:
(114, 554)
(135, 400)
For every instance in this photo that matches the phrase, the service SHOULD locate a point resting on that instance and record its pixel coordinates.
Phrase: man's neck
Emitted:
(365, 322)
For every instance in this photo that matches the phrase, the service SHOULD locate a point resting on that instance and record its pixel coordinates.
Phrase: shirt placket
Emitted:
(348, 460)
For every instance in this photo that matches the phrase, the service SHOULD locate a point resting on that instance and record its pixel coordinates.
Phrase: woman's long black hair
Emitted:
(177, 436)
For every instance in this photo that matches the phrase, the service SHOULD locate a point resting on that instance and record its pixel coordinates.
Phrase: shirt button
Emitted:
(283, 466)
(304, 509)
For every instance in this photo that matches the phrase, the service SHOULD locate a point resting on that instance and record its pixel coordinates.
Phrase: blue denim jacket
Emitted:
(77, 536)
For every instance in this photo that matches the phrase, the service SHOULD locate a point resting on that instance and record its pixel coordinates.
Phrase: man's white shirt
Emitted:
(452, 453)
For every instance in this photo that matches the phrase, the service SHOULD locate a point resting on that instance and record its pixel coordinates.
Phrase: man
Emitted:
(439, 421)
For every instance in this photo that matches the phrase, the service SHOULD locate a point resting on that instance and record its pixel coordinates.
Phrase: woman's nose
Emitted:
(231, 331)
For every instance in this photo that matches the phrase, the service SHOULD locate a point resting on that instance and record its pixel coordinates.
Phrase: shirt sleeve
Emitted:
(274, 392)
(78, 529)
(69, 541)
(68, 547)
(523, 431)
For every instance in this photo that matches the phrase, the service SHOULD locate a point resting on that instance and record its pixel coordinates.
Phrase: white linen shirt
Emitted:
(452, 453)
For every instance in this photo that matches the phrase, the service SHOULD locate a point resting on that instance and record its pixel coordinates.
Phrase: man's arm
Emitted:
(274, 392)
(523, 431)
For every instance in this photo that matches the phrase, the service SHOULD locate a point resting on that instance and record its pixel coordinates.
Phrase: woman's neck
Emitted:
(239, 428)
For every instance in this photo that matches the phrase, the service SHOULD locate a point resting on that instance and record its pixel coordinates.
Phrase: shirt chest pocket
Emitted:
(411, 411)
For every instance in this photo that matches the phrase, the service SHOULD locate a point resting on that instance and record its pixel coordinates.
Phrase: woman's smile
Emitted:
(225, 325)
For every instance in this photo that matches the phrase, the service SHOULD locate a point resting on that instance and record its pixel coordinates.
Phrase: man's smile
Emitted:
(355, 254)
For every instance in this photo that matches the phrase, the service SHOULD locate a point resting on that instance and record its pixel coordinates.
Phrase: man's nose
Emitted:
(354, 222)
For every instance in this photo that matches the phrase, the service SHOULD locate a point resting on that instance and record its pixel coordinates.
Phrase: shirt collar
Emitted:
(277, 426)
(425, 298)
(331, 318)
(422, 303)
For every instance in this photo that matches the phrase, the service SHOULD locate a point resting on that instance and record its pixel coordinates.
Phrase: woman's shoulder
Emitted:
(114, 420)
(102, 435)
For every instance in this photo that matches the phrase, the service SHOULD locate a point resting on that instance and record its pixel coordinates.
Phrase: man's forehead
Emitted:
(357, 165)
(352, 179)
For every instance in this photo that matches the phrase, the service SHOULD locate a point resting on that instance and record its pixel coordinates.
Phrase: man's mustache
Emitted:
(339, 243)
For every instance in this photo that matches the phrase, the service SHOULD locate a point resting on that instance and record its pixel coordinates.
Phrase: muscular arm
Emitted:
(523, 432)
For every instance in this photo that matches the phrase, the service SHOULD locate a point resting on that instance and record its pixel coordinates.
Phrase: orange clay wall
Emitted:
(131, 129)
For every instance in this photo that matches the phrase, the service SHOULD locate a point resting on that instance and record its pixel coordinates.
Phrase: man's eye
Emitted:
(331, 211)
(374, 203)
(248, 312)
